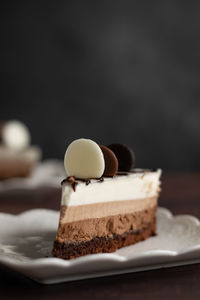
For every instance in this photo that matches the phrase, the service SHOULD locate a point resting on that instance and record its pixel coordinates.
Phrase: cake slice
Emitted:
(106, 213)
(17, 156)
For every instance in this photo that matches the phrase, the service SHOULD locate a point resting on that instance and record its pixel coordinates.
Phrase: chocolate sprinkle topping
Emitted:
(72, 181)
(101, 179)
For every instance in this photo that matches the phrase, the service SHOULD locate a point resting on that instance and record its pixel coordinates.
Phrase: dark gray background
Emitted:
(126, 71)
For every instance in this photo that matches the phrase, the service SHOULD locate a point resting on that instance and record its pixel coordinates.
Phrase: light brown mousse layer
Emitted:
(70, 214)
(87, 229)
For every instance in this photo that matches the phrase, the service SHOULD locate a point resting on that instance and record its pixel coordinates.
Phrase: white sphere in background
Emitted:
(15, 135)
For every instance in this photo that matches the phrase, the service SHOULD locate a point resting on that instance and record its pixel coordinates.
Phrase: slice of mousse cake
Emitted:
(106, 204)
(18, 157)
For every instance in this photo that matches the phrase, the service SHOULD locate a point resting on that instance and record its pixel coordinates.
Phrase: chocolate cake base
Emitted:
(103, 244)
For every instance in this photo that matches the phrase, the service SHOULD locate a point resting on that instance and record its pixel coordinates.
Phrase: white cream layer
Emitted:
(122, 187)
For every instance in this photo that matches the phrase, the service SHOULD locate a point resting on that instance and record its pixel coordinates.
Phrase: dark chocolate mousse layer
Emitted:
(104, 244)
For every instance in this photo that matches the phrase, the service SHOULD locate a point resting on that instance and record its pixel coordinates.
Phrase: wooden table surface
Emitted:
(180, 194)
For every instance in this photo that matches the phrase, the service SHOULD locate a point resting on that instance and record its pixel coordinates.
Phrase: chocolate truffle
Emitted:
(125, 156)
(111, 162)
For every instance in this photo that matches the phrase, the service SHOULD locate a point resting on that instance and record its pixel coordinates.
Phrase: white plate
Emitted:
(26, 242)
(48, 173)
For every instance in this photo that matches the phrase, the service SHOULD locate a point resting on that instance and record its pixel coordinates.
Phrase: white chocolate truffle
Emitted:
(15, 136)
(84, 159)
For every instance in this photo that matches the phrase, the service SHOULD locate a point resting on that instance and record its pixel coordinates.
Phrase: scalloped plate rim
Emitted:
(25, 267)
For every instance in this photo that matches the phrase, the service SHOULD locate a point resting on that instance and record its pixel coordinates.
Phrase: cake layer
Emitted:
(121, 187)
(103, 244)
(99, 210)
(85, 230)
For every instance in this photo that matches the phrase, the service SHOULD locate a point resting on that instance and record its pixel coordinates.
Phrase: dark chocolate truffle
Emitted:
(111, 162)
(125, 156)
